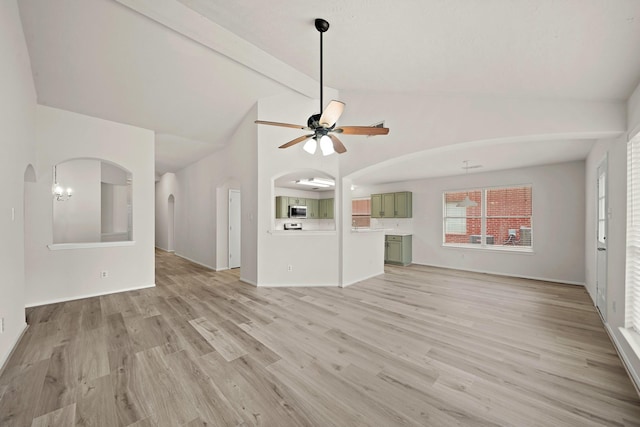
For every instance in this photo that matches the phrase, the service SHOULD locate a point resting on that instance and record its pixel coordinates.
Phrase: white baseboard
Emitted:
(165, 250)
(3, 362)
(249, 282)
(98, 294)
(495, 273)
(195, 262)
(633, 374)
(289, 285)
(344, 285)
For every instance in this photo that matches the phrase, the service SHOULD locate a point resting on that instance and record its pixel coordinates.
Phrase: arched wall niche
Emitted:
(100, 206)
(29, 174)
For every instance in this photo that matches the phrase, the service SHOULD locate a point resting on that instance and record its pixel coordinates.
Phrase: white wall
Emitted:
(314, 257)
(56, 275)
(17, 122)
(558, 223)
(79, 218)
(616, 152)
(167, 186)
(201, 202)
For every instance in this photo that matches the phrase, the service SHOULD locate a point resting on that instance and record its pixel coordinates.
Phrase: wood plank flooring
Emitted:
(417, 346)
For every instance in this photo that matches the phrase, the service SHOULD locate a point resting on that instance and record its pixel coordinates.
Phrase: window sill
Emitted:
(490, 248)
(89, 245)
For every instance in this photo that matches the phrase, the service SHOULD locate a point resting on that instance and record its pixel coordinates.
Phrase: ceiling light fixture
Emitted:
(467, 202)
(59, 193)
(326, 145)
(317, 182)
(310, 146)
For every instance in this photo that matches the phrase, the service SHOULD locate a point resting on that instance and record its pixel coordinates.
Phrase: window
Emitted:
(502, 218)
(632, 311)
(361, 213)
(456, 219)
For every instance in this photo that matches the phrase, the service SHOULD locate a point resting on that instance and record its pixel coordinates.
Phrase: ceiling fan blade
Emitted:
(331, 114)
(295, 141)
(284, 125)
(338, 146)
(362, 130)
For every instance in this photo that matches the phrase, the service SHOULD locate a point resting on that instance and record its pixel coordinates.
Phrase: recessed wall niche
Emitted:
(100, 208)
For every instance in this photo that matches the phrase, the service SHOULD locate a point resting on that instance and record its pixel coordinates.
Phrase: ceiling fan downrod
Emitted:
(322, 26)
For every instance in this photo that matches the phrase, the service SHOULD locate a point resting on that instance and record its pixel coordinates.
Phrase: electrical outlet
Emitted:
(289, 267)
(104, 274)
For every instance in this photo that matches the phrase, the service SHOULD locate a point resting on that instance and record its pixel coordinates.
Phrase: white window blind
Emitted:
(456, 219)
(632, 312)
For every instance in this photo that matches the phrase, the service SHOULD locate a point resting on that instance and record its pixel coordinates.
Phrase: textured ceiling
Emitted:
(104, 59)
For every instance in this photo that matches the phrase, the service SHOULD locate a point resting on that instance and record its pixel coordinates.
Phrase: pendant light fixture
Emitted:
(59, 193)
(467, 202)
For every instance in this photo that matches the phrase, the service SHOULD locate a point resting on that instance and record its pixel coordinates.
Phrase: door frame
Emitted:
(602, 226)
(234, 220)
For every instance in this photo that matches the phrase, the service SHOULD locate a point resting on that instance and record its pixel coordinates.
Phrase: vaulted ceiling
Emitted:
(191, 69)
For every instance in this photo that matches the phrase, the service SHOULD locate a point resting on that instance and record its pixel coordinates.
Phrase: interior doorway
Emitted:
(235, 217)
(601, 238)
(171, 223)
(28, 205)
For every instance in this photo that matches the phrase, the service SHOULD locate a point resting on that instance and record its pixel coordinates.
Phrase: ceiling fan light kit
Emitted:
(324, 125)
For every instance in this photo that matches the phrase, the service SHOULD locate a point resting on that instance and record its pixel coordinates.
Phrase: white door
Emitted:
(601, 242)
(171, 223)
(234, 228)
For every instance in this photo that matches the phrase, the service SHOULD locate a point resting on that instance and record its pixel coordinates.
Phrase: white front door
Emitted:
(234, 228)
(601, 239)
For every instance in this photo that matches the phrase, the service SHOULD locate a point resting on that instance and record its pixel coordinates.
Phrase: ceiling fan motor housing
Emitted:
(321, 25)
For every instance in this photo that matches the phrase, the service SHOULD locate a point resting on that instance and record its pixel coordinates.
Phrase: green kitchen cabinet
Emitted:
(297, 201)
(388, 205)
(403, 205)
(397, 249)
(282, 207)
(376, 206)
(326, 208)
(391, 205)
(313, 210)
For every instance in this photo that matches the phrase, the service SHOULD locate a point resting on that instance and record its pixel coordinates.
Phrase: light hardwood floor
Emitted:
(418, 346)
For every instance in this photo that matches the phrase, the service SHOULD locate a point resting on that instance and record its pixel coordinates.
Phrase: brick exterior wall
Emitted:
(513, 203)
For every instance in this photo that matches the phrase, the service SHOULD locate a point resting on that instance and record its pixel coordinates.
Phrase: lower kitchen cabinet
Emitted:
(397, 249)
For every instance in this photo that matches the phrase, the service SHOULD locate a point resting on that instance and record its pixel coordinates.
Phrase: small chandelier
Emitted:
(59, 193)
(467, 202)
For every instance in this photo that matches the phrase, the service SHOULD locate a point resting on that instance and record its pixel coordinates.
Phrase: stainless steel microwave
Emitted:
(297, 211)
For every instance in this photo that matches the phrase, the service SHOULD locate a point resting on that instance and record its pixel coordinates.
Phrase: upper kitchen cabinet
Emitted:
(297, 201)
(313, 211)
(391, 205)
(282, 207)
(326, 208)
(403, 205)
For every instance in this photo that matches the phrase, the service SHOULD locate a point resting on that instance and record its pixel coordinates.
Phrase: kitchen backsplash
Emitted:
(307, 224)
(395, 224)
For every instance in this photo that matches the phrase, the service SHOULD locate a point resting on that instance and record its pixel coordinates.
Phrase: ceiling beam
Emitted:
(181, 19)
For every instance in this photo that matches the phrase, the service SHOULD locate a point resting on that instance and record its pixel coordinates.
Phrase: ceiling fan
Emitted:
(323, 125)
